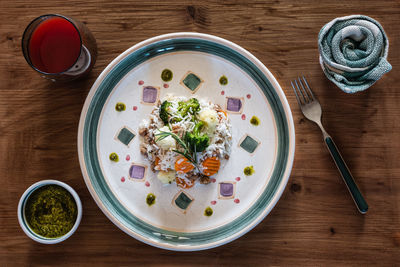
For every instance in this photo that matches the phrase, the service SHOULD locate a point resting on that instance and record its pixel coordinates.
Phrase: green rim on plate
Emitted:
(87, 143)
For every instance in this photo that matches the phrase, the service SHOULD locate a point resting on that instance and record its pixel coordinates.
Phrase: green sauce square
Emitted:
(183, 201)
(191, 81)
(125, 136)
(249, 144)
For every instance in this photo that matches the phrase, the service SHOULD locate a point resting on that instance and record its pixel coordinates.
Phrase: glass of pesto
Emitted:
(49, 211)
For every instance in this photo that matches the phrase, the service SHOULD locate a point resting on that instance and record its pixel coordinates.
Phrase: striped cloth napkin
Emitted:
(353, 52)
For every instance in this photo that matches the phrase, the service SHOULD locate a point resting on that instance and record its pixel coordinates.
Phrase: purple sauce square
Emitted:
(136, 171)
(150, 94)
(234, 104)
(226, 189)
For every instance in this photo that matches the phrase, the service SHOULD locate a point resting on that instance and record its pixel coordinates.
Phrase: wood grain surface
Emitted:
(314, 223)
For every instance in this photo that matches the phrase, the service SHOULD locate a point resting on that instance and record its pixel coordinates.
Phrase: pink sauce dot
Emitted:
(166, 85)
(141, 82)
(248, 96)
(243, 116)
(213, 202)
(128, 157)
(135, 108)
(147, 184)
(237, 179)
(123, 179)
(237, 201)
(213, 180)
(222, 92)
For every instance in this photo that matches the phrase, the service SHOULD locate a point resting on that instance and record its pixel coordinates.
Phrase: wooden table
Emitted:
(314, 223)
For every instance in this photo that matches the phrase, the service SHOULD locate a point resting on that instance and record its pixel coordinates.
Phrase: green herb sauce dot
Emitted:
(114, 157)
(120, 107)
(255, 121)
(223, 80)
(150, 199)
(249, 170)
(166, 75)
(208, 212)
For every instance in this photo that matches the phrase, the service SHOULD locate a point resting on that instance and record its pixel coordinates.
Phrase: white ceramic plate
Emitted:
(176, 221)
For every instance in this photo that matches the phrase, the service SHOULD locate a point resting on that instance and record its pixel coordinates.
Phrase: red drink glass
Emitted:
(59, 48)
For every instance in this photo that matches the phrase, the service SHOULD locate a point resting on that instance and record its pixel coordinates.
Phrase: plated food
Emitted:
(118, 151)
(186, 140)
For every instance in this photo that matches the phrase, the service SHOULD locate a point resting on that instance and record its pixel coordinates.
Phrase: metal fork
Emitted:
(311, 109)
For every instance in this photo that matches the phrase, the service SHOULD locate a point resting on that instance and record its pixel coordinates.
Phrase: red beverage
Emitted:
(59, 48)
(54, 45)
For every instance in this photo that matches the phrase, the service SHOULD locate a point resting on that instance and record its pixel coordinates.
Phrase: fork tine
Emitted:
(305, 91)
(303, 97)
(309, 89)
(297, 96)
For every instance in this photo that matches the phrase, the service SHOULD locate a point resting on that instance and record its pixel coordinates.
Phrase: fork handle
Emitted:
(346, 175)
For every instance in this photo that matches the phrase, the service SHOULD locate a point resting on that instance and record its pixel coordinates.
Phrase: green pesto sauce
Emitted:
(166, 75)
(120, 107)
(255, 120)
(51, 211)
(150, 199)
(114, 157)
(249, 170)
(208, 212)
(223, 80)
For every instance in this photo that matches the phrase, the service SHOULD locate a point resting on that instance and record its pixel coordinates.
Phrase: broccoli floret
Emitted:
(196, 140)
(191, 106)
(164, 114)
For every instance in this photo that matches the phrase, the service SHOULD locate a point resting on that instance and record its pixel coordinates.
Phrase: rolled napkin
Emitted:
(353, 52)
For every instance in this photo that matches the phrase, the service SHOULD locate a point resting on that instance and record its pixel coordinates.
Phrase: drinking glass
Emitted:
(59, 48)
